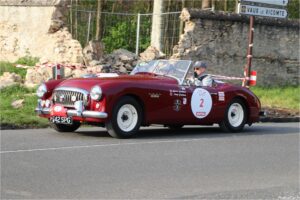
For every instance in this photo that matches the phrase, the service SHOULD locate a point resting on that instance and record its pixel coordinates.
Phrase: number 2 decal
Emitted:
(201, 103)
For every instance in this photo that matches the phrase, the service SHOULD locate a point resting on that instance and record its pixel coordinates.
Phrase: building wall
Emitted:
(36, 28)
(222, 40)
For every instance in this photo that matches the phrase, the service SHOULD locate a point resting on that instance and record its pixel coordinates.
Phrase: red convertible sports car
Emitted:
(156, 92)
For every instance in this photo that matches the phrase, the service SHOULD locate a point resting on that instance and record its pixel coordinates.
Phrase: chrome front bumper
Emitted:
(71, 113)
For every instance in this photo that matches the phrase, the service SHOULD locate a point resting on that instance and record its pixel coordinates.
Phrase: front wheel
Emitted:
(65, 127)
(235, 116)
(126, 118)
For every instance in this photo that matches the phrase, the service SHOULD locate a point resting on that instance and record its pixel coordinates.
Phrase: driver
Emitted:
(202, 79)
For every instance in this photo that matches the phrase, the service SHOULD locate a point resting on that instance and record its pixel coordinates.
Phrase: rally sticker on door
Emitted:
(201, 103)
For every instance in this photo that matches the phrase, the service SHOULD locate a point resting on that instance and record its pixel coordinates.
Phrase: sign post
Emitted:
(265, 8)
(249, 51)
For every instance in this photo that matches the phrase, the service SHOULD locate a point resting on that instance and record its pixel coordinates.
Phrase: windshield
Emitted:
(172, 68)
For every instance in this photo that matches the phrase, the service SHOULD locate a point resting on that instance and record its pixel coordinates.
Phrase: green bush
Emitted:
(117, 37)
(120, 36)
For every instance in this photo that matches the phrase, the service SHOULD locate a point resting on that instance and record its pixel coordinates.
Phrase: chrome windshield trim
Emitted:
(154, 68)
(85, 92)
(187, 71)
(180, 82)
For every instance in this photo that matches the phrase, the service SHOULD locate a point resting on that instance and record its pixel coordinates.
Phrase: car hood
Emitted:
(88, 83)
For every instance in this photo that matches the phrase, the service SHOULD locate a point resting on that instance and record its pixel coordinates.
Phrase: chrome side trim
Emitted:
(85, 92)
(88, 113)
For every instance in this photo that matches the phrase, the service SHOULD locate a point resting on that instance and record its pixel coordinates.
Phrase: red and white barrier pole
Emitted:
(57, 72)
(252, 80)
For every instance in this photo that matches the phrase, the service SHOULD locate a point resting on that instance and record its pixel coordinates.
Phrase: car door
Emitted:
(199, 105)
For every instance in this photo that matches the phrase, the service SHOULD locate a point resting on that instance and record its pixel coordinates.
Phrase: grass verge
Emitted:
(279, 97)
(10, 67)
(21, 117)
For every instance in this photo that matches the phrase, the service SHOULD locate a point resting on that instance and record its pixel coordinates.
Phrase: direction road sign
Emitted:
(272, 2)
(263, 11)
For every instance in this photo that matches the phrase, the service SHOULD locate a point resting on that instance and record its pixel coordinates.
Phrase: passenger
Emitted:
(202, 79)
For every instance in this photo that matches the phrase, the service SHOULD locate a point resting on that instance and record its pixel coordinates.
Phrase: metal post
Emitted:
(249, 52)
(89, 28)
(71, 18)
(138, 34)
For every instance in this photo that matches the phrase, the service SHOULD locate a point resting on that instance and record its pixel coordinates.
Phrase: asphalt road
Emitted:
(194, 163)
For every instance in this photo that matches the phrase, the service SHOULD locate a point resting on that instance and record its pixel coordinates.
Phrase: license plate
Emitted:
(61, 120)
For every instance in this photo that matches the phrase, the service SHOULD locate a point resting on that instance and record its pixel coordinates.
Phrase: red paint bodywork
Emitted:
(158, 109)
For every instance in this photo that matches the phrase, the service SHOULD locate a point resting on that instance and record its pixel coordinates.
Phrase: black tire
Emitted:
(129, 113)
(175, 127)
(234, 120)
(66, 128)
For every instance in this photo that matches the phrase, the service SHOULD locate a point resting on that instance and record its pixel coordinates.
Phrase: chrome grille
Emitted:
(68, 96)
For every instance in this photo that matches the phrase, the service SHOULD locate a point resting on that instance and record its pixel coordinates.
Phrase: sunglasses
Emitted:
(197, 68)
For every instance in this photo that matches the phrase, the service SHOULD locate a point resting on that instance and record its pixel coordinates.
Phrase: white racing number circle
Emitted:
(201, 103)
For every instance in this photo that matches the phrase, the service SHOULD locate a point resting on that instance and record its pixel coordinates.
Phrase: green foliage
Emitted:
(21, 117)
(117, 37)
(9, 67)
(120, 36)
(27, 60)
(279, 97)
(293, 8)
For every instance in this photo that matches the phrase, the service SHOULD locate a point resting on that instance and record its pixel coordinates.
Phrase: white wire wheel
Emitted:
(127, 117)
(236, 114)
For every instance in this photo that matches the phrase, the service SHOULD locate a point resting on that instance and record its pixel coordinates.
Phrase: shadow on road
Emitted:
(199, 132)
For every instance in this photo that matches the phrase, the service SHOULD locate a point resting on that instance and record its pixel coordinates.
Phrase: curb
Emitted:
(279, 119)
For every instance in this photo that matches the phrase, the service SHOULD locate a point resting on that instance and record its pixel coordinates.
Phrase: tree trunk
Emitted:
(98, 20)
(206, 4)
(156, 32)
(236, 6)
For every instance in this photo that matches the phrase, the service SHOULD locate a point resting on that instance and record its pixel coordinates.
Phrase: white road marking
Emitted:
(100, 145)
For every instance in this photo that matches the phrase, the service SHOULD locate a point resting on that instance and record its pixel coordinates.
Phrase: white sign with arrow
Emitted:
(272, 2)
(263, 11)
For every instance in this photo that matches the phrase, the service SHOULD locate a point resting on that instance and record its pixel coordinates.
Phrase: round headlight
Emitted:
(96, 93)
(42, 89)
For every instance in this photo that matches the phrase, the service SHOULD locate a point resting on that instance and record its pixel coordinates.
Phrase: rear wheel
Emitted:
(65, 127)
(126, 118)
(235, 116)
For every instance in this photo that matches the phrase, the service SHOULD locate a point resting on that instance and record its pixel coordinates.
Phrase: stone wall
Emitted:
(36, 28)
(222, 40)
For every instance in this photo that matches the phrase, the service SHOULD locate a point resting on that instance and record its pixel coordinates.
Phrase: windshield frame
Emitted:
(156, 69)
